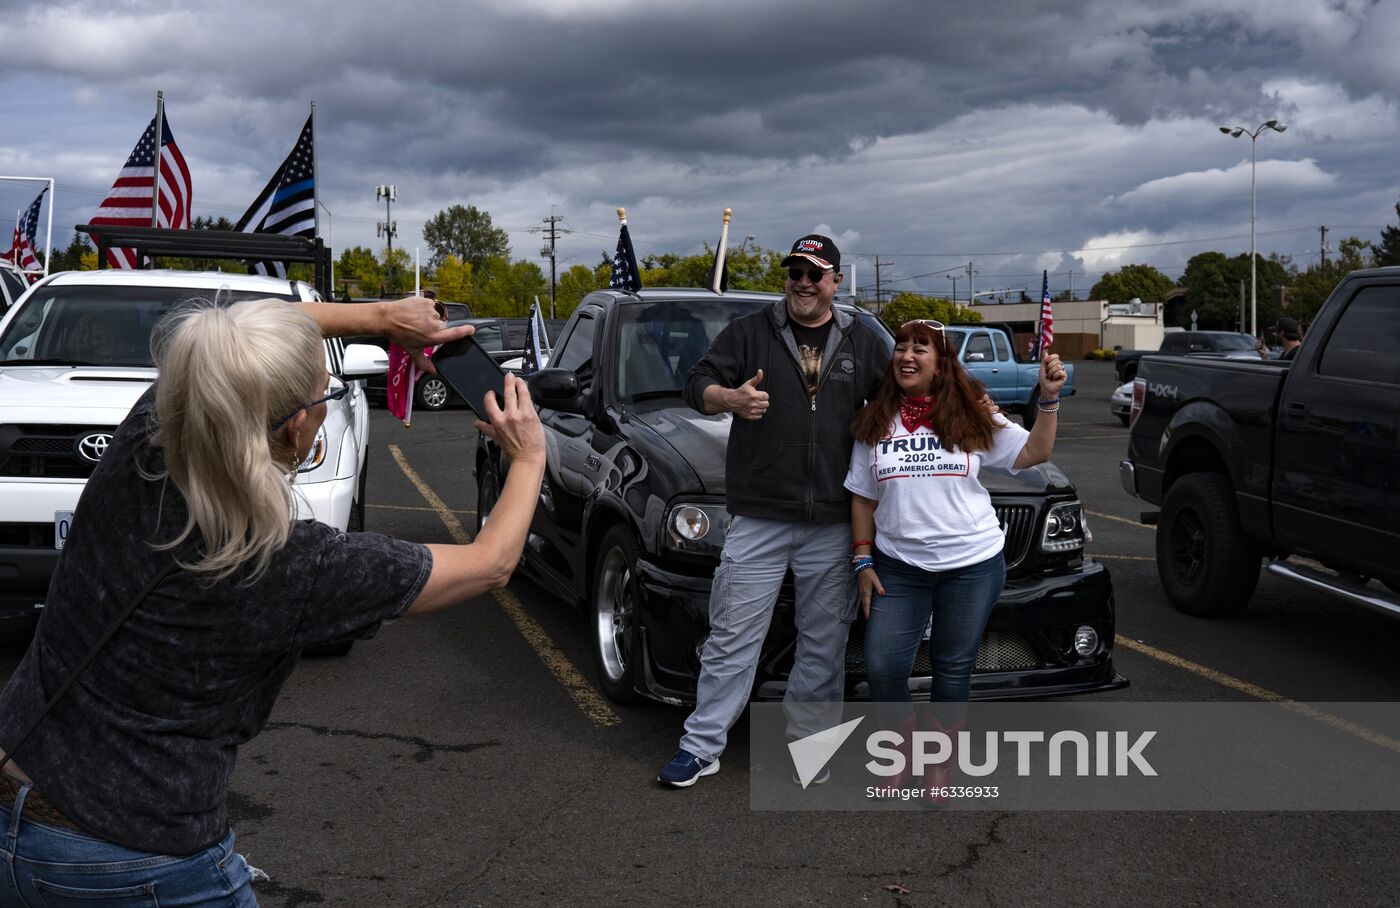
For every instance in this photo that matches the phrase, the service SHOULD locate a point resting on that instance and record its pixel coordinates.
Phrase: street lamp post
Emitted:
(1236, 132)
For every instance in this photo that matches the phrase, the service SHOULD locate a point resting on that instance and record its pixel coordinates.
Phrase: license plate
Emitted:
(62, 526)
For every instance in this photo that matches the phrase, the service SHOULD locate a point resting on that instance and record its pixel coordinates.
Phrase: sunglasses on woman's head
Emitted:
(814, 275)
(933, 323)
(337, 394)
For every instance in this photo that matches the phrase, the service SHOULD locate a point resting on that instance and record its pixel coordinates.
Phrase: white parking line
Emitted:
(583, 694)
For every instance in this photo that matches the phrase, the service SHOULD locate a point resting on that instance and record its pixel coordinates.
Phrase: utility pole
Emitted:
(552, 229)
(1322, 245)
(954, 278)
(879, 299)
(1071, 285)
(971, 286)
(388, 227)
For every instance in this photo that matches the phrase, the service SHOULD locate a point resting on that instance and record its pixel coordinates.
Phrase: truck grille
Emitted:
(45, 451)
(998, 652)
(1018, 523)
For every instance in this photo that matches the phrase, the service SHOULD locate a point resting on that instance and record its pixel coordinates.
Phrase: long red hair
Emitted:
(958, 416)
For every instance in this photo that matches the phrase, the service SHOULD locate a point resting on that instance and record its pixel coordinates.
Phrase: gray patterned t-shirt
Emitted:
(140, 750)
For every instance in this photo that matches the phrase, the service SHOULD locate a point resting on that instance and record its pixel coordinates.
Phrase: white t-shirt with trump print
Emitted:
(932, 511)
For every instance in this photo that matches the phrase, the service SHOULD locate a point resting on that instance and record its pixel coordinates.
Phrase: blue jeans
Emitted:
(50, 867)
(960, 601)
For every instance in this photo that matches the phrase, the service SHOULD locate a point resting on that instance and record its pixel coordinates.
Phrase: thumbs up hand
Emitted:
(746, 401)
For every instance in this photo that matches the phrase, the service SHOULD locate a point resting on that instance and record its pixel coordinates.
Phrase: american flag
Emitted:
(287, 204)
(129, 202)
(25, 253)
(625, 275)
(1046, 337)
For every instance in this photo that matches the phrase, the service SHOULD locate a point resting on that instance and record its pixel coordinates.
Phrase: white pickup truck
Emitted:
(75, 356)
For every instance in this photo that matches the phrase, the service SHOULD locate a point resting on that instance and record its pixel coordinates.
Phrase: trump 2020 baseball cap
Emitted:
(817, 249)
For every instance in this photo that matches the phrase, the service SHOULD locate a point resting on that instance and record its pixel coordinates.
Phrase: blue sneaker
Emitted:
(685, 768)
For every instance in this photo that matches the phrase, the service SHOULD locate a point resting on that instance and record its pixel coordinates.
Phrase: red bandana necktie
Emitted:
(914, 411)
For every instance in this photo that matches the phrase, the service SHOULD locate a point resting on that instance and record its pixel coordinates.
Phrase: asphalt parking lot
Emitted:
(465, 758)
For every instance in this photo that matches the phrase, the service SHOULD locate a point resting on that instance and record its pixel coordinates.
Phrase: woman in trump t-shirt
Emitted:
(927, 540)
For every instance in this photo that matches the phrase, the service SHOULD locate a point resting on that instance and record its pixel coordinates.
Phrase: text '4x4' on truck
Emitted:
(631, 518)
(1295, 461)
(75, 355)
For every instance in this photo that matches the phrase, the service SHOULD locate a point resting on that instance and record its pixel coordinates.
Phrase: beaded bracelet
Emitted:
(860, 564)
(1048, 400)
(1054, 409)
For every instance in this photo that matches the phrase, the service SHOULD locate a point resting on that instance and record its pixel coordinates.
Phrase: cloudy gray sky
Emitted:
(1073, 136)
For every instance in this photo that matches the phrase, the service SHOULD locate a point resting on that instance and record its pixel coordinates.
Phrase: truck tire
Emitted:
(1128, 373)
(612, 612)
(1207, 565)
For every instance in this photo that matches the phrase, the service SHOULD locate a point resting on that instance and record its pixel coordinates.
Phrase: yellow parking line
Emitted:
(404, 507)
(1260, 693)
(583, 694)
(1131, 523)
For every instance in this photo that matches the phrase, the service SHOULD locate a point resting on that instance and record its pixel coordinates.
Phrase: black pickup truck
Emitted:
(1227, 344)
(631, 518)
(1274, 459)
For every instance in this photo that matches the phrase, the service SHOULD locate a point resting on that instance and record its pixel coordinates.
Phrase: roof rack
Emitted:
(215, 244)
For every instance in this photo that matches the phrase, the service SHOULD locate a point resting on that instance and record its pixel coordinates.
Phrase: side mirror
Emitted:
(556, 389)
(362, 360)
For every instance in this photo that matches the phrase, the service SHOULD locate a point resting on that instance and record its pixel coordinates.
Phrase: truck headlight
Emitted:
(1064, 528)
(694, 527)
(318, 452)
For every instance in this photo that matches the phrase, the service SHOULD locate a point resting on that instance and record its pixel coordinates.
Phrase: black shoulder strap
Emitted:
(92, 654)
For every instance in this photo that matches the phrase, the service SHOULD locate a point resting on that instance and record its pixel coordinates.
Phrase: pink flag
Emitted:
(400, 382)
(402, 377)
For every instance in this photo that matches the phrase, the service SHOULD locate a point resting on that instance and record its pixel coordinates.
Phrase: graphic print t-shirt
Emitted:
(811, 344)
(933, 511)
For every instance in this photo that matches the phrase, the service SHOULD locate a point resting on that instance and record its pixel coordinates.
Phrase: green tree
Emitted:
(907, 306)
(1132, 282)
(1212, 284)
(506, 288)
(1387, 252)
(467, 233)
(751, 269)
(454, 279)
(574, 285)
(360, 266)
(1311, 287)
(71, 258)
(398, 271)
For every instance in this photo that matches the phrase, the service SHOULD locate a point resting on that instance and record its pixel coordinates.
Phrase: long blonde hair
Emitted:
(226, 373)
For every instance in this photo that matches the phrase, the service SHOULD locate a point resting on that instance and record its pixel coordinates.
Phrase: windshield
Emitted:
(1235, 342)
(660, 341)
(97, 326)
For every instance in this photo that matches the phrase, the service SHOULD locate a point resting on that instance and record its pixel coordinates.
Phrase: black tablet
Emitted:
(471, 372)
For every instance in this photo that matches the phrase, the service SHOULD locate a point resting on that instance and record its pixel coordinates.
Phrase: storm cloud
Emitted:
(1073, 136)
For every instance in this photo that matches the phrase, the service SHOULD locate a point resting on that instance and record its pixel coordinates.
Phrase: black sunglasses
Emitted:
(337, 394)
(814, 275)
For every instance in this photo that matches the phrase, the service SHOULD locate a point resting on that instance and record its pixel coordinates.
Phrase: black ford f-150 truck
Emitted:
(631, 518)
(1289, 461)
(1228, 344)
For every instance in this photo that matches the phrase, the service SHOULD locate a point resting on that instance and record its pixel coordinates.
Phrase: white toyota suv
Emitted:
(75, 356)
